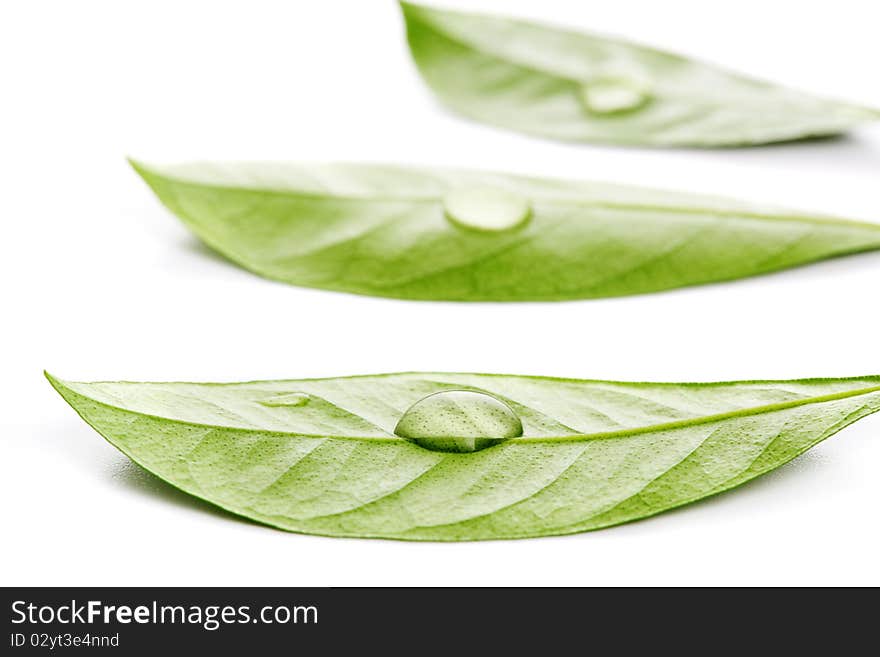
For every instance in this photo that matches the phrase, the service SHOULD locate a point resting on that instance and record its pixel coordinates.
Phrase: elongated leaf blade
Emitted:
(593, 453)
(531, 78)
(383, 231)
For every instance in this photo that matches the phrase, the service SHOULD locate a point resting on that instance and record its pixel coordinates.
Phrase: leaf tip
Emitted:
(410, 9)
(55, 382)
(149, 174)
(140, 168)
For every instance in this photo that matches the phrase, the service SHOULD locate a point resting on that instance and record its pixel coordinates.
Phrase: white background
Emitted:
(100, 282)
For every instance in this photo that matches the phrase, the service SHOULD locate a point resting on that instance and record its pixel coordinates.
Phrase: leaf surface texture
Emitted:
(593, 453)
(383, 231)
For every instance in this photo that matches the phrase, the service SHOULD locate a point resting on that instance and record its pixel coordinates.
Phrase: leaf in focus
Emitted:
(592, 454)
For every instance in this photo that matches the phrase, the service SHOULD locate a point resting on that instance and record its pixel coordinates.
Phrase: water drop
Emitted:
(486, 208)
(287, 399)
(459, 421)
(613, 95)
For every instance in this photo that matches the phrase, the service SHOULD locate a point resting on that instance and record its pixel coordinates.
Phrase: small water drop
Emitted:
(459, 421)
(287, 399)
(614, 95)
(486, 208)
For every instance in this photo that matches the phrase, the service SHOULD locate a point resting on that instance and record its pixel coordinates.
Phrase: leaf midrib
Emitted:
(568, 202)
(603, 435)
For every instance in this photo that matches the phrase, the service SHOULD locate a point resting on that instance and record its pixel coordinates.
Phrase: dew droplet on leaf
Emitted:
(613, 96)
(486, 208)
(459, 421)
(287, 399)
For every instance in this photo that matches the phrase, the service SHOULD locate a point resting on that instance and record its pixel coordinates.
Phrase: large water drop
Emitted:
(613, 96)
(486, 208)
(459, 421)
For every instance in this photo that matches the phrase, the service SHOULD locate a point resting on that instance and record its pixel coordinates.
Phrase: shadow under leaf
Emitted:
(136, 478)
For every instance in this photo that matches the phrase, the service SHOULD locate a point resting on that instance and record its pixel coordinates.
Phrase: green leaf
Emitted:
(592, 453)
(582, 87)
(386, 231)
